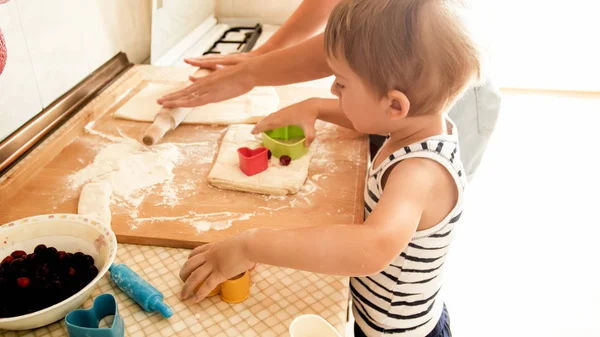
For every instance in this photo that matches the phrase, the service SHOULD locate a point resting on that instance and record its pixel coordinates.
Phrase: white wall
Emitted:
(19, 95)
(545, 44)
(542, 44)
(267, 12)
(172, 20)
(53, 45)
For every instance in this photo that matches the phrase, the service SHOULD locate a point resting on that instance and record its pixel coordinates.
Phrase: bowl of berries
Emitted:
(49, 267)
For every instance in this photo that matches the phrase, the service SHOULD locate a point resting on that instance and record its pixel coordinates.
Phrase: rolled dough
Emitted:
(94, 201)
(248, 108)
(276, 179)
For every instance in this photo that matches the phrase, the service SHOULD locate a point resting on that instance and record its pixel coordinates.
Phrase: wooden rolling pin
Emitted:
(165, 121)
(168, 119)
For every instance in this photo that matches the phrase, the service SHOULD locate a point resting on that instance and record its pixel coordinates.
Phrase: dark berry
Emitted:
(52, 252)
(17, 264)
(89, 260)
(57, 284)
(65, 260)
(43, 270)
(30, 257)
(62, 255)
(39, 282)
(285, 160)
(23, 282)
(269, 154)
(79, 257)
(40, 249)
(71, 272)
(7, 260)
(18, 254)
(92, 272)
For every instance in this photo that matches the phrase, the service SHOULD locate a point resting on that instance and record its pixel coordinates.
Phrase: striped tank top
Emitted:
(403, 300)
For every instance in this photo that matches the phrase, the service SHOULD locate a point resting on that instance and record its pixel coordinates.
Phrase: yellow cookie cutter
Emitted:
(234, 290)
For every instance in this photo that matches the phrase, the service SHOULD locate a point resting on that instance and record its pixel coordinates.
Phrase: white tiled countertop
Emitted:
(277, 296)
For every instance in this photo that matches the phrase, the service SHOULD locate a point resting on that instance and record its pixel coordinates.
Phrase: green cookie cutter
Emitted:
(272, 140)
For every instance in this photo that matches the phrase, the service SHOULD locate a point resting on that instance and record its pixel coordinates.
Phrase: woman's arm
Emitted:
(307, 20)
(303, 62)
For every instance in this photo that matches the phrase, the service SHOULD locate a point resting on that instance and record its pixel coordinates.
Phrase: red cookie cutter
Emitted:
(253, 161)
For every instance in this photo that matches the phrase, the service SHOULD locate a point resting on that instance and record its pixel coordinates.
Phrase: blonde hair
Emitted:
(419, 47)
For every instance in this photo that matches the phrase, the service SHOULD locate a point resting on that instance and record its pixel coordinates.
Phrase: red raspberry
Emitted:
(23, 282)
(7, 260)
(285, 160)
(18, 254)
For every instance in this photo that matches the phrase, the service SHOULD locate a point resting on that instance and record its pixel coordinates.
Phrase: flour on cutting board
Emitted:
(201, 222)
(129, 168)
(135, 171)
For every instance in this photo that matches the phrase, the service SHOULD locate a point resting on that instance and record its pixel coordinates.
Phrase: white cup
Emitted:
(312, 326)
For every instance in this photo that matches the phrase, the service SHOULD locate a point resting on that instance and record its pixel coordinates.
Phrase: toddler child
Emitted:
(399, 66)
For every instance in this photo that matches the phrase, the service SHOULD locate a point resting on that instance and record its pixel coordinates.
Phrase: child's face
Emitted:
(358, 102)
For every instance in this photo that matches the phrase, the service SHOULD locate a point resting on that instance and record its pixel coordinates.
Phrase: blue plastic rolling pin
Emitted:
(139, 290)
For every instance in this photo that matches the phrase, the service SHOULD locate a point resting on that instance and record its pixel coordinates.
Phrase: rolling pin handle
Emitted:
(155, 132)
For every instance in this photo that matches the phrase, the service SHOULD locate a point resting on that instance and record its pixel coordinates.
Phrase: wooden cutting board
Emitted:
(178, 215)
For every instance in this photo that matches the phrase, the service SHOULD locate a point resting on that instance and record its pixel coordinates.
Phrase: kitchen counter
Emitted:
(277, 296)
(166, 215)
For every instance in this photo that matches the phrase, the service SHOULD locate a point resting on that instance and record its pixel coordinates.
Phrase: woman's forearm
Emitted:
(305, 61)
(307, 20)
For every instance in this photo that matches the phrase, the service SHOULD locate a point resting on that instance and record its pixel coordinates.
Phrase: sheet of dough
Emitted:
(94, 201)
(248, 108)
(275, 180)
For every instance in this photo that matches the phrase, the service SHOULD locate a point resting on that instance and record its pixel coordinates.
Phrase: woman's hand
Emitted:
(211, 265)
(215, 62)
(303, 114)
(218, 86)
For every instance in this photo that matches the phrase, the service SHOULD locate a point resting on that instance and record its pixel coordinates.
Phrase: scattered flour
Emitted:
(319, 176)
(89, 129)
(201, 222)
(129, 167)
(133, 170)
(170, 195)
(308, 188)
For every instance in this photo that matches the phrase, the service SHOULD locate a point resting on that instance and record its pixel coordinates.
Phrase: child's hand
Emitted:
(303, 114)
(213, 264)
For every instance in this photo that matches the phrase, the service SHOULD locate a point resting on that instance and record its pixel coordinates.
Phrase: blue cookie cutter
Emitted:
(85, 322)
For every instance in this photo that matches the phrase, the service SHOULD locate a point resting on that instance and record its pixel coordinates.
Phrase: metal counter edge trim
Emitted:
(20, 142)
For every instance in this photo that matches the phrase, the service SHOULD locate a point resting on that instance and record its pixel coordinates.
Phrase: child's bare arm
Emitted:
(329, 111)
(305, 114)
(351, 250)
